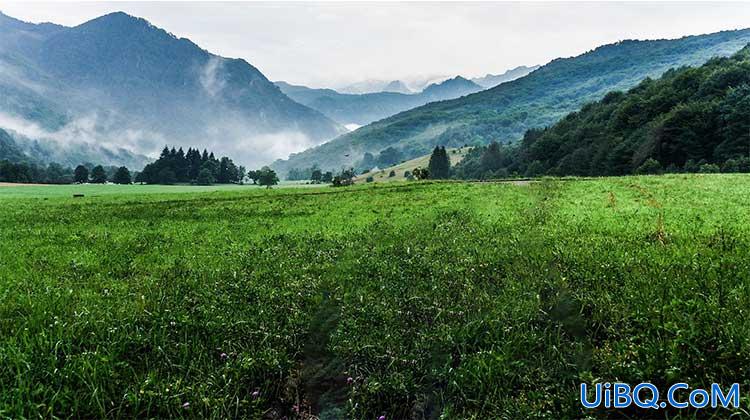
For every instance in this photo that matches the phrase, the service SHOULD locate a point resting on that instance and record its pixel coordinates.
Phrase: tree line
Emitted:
(54, 173)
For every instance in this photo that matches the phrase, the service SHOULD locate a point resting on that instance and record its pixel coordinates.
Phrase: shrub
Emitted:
(709, 168)
(650, 167)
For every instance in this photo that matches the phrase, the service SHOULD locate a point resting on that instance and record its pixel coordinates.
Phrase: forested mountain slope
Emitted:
(120, 83)
(539, 99)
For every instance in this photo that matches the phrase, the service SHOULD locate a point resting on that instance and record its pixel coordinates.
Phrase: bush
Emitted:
(650, 167)
(369, 179)
(392, 174)
(730, 166)
(709, 168)
(691, 166)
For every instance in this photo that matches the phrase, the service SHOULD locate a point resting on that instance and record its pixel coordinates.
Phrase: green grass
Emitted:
(96, 190)
(467, 300)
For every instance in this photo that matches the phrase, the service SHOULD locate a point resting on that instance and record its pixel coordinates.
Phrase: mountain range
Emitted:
(505, 112)
(361, 109)
(117, 88)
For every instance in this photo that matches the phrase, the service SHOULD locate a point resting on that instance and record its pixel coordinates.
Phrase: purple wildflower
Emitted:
(186, 405)
(255, 394)
(349, 380)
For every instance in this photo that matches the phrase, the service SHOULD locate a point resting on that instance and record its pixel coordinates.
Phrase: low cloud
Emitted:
(210, 76)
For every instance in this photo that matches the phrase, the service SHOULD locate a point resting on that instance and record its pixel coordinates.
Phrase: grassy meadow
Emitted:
(408, 300)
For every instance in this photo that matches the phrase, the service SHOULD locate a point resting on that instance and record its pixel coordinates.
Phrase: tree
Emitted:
(534, 169)
(316, 176)
(166, 176)
(389, 156)
(327, 177)
(345, 178)
(421, 173)
(228, 171)
(205, 177)
(392, 174)
(98, 176)
(81, 174)
(253, 176)
(440, 164)
(267, 177)
(122, 176)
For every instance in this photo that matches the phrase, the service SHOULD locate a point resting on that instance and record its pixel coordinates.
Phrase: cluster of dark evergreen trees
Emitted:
(689, 120)
(54, 173)
(440, 164)
(176, 166)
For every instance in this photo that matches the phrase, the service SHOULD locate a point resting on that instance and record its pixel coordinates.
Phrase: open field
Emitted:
(456, 155)
(467, 300)
(96, 190)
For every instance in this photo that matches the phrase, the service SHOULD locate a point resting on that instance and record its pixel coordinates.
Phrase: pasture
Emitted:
(408, 300)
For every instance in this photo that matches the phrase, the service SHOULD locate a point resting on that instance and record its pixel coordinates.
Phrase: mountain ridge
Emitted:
(120, 80)
(538, 99)
(361, 109)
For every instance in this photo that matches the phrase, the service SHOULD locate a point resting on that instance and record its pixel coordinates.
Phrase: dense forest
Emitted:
(691, 119)
(176, 166)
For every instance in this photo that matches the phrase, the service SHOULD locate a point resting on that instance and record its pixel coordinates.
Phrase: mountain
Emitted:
(121, 84)
(361, 109)
(364, 86)
(688, 117)
(492, 80)
(449, 89)
(396, 86)
(505, 112)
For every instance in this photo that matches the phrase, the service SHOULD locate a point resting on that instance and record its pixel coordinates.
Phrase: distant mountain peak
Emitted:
(491, 80)
(396, 86)
(460, 84)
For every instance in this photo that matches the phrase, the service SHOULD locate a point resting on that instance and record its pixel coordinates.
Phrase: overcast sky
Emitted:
(332, 44)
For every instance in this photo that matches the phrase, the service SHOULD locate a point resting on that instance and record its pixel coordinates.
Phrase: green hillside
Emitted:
(505, 112)
(688, 120)
(456, 155)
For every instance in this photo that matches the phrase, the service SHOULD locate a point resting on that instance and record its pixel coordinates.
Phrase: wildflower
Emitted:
(255, 394)
(349, 380)
(223, 356)
(381, 418)
(186, 405)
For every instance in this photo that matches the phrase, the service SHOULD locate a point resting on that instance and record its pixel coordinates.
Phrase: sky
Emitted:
(334, 44)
